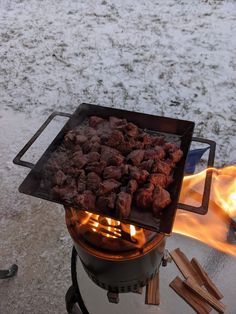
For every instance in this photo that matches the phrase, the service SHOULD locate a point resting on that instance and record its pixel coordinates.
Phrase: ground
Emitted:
(174, 58)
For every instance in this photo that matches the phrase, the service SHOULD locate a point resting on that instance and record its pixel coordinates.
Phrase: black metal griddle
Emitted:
(175, 131)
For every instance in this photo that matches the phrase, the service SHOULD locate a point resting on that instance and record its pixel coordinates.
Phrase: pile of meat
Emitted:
(113, 165)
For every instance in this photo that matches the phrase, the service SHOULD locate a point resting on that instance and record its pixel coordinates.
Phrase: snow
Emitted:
(174, 58)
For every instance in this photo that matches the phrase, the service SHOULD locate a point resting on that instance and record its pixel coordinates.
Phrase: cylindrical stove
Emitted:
(117, 257)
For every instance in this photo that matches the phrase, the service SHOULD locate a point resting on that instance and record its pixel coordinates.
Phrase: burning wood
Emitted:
(191, 290)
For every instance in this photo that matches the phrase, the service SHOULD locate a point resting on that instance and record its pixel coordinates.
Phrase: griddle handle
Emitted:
(17, 160)
(207, 186)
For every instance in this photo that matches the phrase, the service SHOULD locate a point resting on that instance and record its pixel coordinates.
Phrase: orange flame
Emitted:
(212, 228)
(111, 228)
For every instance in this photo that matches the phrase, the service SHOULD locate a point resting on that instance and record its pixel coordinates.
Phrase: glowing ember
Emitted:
(212, 228)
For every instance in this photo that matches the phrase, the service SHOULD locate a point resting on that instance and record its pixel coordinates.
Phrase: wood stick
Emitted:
(153, 291)
(210, 286)
(185, 266)
(192, 299)
(204, 295)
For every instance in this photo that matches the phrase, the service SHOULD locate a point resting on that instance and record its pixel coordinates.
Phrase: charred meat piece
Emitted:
(86, 200)
(79, 160)
(72, 171)
(96, 167)
(66, 193)
(80, 139)
(132, 186)
(131, 129)
(111, 156)
(115, 160)
(143, 198)
(116, 123)
(92, 156)
(161, 198)
(147, 165)
(69, 138)
(95, 139)
(160, 179)
(139, 175)
(156, 153)
(59, 178)
(126, 147)
(91, 147)
(94, 121)
(108, 186)
(176, 155)
(113, 139)
(162, 167)
(112, 172)
(158, 140)
(136, 157)
(145, 138)
(81, 182)
(170, 147)
(123, 204)
(93, 181)
(106, 201)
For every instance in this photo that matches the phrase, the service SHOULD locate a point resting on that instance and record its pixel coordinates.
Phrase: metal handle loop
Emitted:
(17, 160)
(207, 186)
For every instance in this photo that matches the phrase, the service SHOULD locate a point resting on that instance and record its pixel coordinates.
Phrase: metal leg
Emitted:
(4, 274)
(74, 300)
(71, 301)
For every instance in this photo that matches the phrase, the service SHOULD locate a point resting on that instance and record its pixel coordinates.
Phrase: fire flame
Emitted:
(214, 227)
(111, 228)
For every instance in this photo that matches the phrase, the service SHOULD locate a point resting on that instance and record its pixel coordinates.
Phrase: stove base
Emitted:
(74, 300)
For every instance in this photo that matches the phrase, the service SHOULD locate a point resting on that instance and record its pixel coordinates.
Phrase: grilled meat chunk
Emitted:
(156, 153)
(92, 156)
(113, 139)
(161, 199)
(80, 139)
(111, 156)
(94, 121)
(112, 172)
(162, 167)
(123, 204)
(93, 181)
(96, 167)
(59, 178)
(147, 165)
(176, 155)
(91, 147)
(136, 156)
(160, 179)
(79, 160)
(131, 129)
(106, 201)
(86, 200)
(132, 186)
(108, 186)
(65, 193)
(137, 174)
(143, 198)
(116, 123)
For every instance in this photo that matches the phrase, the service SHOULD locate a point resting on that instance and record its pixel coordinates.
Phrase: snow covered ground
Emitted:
(173, 58)
(167, 57)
